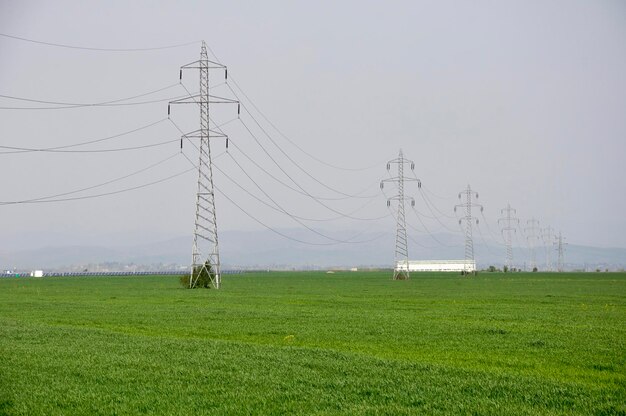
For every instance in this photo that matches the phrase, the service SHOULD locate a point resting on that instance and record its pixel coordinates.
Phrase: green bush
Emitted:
(204, 275)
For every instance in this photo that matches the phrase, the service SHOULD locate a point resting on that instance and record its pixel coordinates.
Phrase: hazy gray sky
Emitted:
(524, 100)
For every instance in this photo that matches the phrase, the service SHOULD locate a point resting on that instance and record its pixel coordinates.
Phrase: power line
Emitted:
(482, 238)
(425, 231)
(431, 205)
(160, 100)
(47, 149)
(254, 162)
(272, 207)
(267, 226)
(429, 232)
(293, 161)
(117, 149)
(447, 198)
(110, 193)
(314, 198)
(434, 215)
(64, 105)
(283, 135)
(278, 207)
(43, 198)
(491, 233)
(305, 193)
(283, 152)
(60, 45)
(279, 131)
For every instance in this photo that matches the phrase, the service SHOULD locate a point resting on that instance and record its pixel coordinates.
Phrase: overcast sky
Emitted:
(524, 100)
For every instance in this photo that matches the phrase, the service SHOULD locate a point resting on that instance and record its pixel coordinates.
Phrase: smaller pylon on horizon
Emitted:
(532, 236)
(470, 263)
(508, 220)
(546, 237)
(560, 248)
(401, 257)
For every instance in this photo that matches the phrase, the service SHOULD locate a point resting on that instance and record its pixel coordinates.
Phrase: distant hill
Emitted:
(264, 249)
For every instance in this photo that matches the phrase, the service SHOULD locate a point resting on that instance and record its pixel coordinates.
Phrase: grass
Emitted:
(314, 344)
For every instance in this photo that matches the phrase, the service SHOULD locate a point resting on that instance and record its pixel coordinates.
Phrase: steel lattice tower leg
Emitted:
(205, 250)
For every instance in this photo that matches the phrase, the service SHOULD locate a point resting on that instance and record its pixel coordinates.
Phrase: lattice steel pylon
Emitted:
(469, 220)
(401, 256)
(205, 255)
(507, 229)
(560, 247)
(546, 236)
(531, 237)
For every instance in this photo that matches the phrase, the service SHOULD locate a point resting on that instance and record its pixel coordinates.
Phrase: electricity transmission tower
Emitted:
(469, 265)
(560, 247)
(401, 265)
(205, 256)
(507, 229)
(532, 236)
(546, 236)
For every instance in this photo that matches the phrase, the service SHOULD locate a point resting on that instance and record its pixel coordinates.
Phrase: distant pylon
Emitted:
(507, 229)
(560, 247)
(546, 236)
(531, 237)
(205, 255)
(469, 220)
(401, 257)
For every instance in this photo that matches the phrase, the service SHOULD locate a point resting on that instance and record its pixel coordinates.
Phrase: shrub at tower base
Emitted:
(204, 276)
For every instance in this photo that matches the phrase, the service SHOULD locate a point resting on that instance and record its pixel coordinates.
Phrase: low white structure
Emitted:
(437, 265)
(36, 273)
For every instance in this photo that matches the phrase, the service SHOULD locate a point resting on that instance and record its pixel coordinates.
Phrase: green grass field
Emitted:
(314, 343)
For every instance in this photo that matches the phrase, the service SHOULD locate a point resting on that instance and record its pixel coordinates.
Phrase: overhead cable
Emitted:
(63, 105)
(283, 135)
(46, 149)
(279, 131)
(297, 165)
(117, 149)
(60, 45)
(54, 198)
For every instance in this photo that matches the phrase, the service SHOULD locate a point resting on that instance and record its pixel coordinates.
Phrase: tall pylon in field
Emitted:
(469, 265)
(401, 257)
(205, 255)
(508, 225)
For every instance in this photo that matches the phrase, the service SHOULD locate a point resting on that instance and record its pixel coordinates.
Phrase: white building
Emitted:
(36, 273)
(437, 265)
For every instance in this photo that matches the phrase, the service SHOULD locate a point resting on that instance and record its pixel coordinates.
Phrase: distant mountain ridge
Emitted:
(264, 249)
